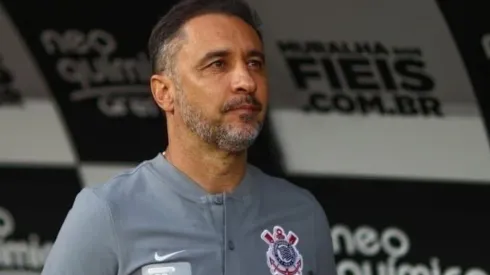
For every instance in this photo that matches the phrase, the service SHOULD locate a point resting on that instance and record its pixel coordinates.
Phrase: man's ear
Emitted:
(163, 92)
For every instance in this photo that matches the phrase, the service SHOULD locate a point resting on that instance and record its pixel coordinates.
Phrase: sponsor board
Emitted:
(358, 73)
(31, 126)
(108, 93)
(367, 251)
(402, 227)
(375, 82)
(88, 62)
(27, 254)
(33, 205)
(99, 74)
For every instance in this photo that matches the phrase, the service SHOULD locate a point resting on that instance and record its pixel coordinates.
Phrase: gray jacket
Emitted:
(155, 220)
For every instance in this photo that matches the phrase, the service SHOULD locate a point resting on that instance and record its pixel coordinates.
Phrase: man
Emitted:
(199, 208)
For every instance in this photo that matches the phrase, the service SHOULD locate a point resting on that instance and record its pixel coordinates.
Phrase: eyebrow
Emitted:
(214, 54)
(257, 53)
(224, 53)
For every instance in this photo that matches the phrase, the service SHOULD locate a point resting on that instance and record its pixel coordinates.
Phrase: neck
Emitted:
(216, 171)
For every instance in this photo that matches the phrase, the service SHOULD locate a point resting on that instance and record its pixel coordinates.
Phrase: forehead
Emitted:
(217, 31)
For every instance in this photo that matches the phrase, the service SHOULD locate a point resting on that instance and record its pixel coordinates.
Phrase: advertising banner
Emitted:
(374, 88)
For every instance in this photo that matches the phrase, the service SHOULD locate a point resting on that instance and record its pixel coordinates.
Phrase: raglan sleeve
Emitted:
(86, 242)
(324, 249)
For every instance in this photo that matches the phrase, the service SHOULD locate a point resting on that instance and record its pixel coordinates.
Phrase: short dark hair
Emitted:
(167, 29)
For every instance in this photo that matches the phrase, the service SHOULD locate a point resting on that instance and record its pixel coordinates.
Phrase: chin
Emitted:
(236, 144)
(246, 130)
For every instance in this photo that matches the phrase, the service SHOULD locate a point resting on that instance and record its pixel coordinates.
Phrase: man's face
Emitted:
(221, 85)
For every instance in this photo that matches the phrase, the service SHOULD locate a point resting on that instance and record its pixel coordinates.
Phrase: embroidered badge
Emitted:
(283, 258)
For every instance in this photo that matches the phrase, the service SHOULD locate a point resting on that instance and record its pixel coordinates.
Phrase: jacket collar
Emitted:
(186, 187)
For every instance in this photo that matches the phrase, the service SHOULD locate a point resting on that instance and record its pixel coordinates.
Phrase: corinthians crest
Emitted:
(283, 258)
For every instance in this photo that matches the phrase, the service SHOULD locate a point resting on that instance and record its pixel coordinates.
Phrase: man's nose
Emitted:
(243, 81)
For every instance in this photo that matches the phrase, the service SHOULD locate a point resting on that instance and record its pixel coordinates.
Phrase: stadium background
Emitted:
(379, 107)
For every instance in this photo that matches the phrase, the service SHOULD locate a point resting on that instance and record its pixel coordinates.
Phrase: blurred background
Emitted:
(380, 108)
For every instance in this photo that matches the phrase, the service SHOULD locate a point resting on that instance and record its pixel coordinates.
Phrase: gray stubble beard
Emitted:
(224, 137)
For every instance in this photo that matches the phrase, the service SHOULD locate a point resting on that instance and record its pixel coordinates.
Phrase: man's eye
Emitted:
(218, 64)
(255, 63)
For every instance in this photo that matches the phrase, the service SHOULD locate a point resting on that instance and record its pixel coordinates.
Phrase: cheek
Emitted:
(200, 92)
(210, 86)
(214, 94)
(208, 103)
(262, 91)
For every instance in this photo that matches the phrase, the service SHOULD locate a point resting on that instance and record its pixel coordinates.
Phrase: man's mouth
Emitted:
(248, 107)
